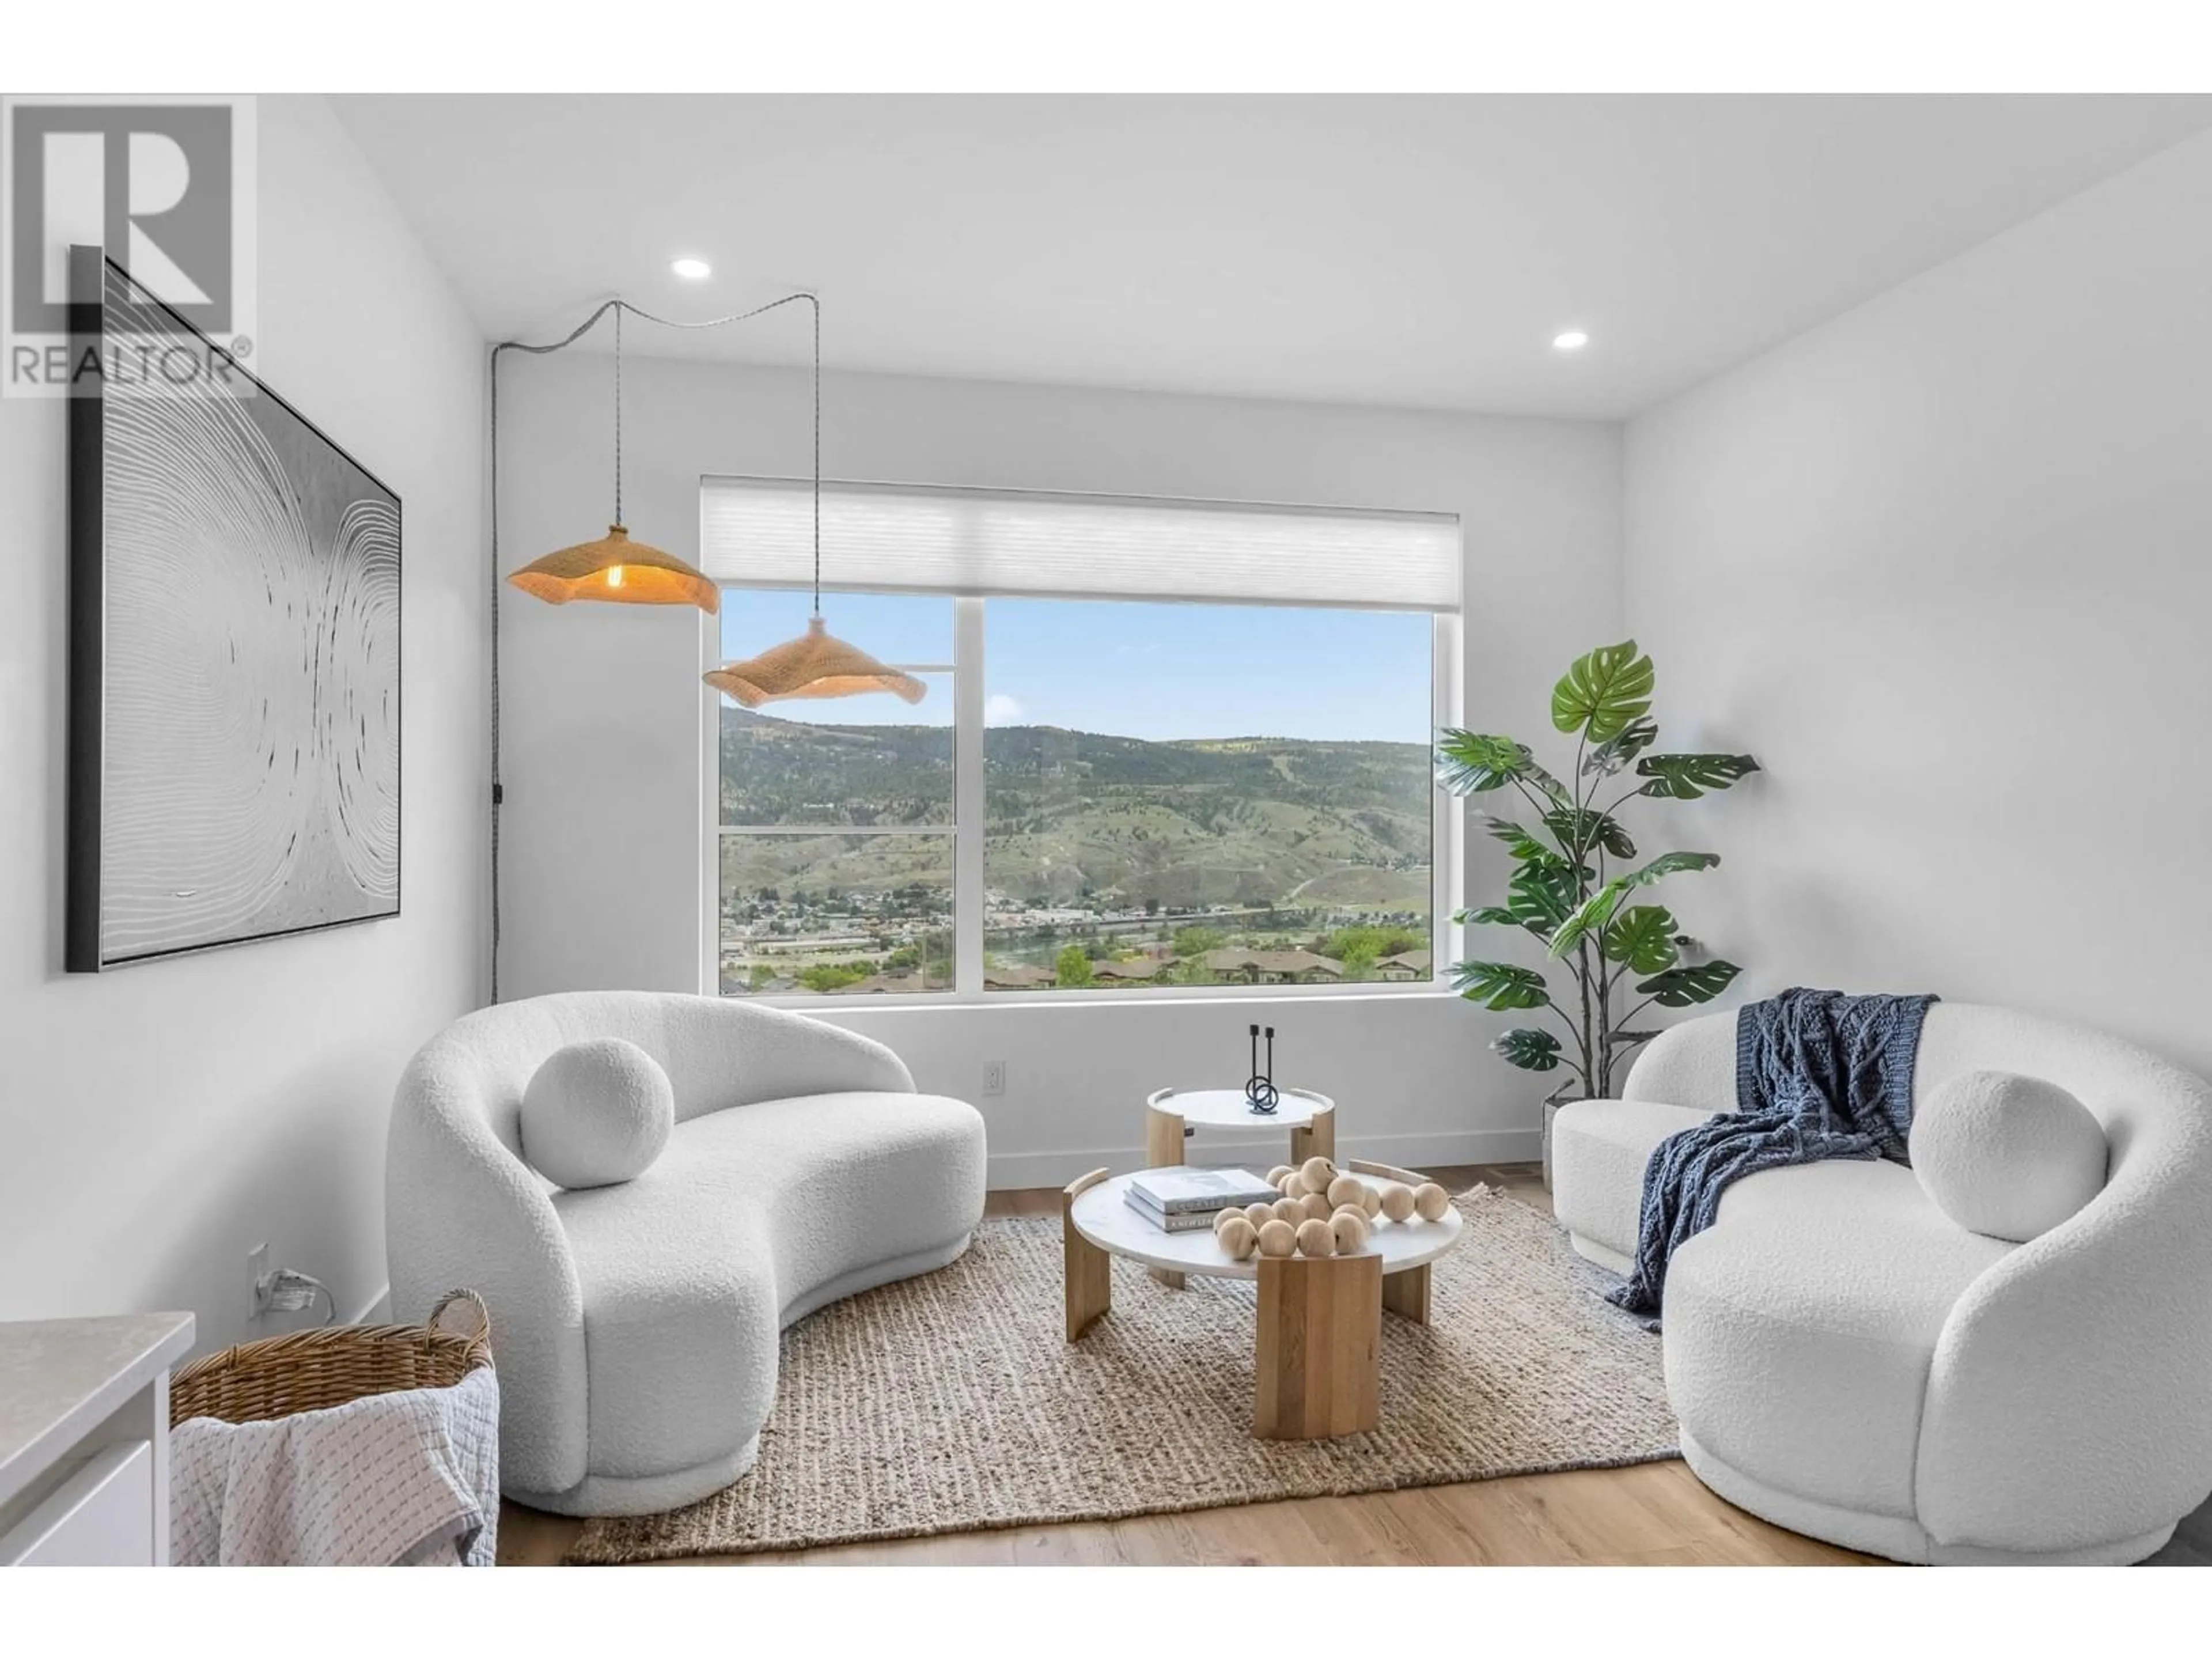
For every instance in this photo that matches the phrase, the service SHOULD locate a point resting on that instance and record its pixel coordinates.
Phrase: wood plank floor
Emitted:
(1653, 1515)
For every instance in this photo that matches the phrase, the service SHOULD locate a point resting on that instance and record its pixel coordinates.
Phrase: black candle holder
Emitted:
(1259, 1091)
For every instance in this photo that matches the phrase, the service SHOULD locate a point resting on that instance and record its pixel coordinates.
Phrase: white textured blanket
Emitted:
(409, 1478)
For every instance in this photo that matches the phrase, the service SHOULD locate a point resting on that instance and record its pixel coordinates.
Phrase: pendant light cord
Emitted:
(618, 517)
(617, 306)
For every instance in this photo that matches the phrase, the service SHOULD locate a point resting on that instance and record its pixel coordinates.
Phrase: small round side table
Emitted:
(1171, 1115)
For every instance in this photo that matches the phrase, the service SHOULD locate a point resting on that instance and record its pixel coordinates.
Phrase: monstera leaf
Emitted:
(1603, 692)
(1596, 913)
(1623, 746)
(1474, 762)
(1578, 826)
(1643, 940)
(1686, 987)
(1686, 777)
(1542, 895)
(1519, 843)
(1670, 864)
(1532, 1051)
(1499, 986)
(1489, 915)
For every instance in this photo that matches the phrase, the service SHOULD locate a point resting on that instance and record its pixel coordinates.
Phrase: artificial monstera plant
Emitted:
(1578, 877)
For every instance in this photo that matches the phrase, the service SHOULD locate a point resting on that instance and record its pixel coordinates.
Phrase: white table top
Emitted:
(1103, 1215)
(1226, 1109)
(61, 1377)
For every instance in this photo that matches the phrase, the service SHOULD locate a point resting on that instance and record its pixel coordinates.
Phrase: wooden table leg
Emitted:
(1407, 1295)
(1315, 1140)
(1319, 1346)
(1089, 1270)
(1164, 1138)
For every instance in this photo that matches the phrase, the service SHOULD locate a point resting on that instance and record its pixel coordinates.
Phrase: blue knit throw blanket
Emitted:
(1818, 1075)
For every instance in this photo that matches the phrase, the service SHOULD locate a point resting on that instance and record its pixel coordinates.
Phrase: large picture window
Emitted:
(1101, 794)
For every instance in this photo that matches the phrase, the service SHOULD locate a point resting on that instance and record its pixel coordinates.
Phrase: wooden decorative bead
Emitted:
(1278, 1238)
(1239, 1236)
(1291, 1209)
(1371, 1199)
(1398, 1201)
(1315, 1206)
(1317, 1174)
(1431, 1202)
(1350, 1226)
(1344, 1189)
(1314, 1238)
(1291, 1185)
(1259, 1214)
(1275, 1175)
(1224, 1218)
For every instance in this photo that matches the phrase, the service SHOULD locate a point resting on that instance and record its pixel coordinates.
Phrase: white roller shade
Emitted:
(755, 533)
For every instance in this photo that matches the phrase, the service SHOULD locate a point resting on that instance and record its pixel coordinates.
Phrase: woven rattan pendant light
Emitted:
(818, 664)
(614, 569)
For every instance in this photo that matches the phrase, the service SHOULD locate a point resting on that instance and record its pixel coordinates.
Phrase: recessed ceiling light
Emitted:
(1573, 340)
(692, 271)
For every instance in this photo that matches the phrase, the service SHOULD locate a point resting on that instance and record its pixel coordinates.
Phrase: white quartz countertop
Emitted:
(61, 1377)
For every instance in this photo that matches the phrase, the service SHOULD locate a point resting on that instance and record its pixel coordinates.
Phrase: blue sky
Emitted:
(1137, 671)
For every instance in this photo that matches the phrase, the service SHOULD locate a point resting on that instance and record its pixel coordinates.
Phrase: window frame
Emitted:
(1447, 845)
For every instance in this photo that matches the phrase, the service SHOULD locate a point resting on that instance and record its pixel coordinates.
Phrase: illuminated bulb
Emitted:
(691, 270)
(1573, 340)
(614, 575)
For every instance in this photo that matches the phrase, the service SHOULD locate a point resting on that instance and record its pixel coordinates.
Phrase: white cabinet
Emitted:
(98, 1518)
(84, 1439)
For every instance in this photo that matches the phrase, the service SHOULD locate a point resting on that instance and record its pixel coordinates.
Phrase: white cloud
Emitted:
(999, 709)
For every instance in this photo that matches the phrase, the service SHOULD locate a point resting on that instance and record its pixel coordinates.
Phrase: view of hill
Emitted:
(1115, 845)
(1075, 815)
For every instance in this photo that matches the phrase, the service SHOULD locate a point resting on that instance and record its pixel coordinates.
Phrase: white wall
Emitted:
(158, 1120)
(603, 710)
(1945, 566)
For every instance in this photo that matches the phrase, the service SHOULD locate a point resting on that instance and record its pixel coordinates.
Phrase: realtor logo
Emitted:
(164, 186)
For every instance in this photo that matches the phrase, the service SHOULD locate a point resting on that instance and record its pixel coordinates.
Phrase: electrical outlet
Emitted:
(994, 1078)
(257, 1269)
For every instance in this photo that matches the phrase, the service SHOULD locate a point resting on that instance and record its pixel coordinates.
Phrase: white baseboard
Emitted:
(1012, 1171)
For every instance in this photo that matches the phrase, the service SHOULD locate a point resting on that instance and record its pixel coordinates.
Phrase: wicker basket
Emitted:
(312, 1370)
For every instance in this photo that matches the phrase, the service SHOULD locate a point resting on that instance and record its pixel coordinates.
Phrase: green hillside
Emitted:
(1078, 815)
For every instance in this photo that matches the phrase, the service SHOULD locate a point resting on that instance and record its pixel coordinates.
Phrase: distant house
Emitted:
(1134, 972)
(1272, 967)
(1406, 965)
(899, 979)
(1019, 977)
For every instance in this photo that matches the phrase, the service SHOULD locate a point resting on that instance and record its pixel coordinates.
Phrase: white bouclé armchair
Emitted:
(636, 1324)
(1848, 1361)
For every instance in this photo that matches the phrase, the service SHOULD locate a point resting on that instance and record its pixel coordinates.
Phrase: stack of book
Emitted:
(1181, 1201)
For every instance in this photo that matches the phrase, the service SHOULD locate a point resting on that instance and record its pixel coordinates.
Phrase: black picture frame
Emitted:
(92, 792)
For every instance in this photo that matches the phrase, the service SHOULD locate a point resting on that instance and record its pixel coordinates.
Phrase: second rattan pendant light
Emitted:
(818, 664)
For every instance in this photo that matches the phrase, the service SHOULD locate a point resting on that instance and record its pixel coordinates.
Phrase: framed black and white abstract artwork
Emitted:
(234, 650)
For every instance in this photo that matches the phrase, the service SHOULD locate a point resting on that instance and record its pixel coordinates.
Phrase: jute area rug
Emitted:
(954, 1402)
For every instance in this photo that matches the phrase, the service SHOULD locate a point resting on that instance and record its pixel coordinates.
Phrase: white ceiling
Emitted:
(1420, 252)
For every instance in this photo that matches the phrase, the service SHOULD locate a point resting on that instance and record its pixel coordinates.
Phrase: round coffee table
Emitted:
(1171, 1115)
(1318, 1337)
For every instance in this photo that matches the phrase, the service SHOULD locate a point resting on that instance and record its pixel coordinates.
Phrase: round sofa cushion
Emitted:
(2006, 1156)
(597, 1112)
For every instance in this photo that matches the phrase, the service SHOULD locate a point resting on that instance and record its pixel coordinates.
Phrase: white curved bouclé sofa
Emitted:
(635, 1325)
(1847, 1361)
